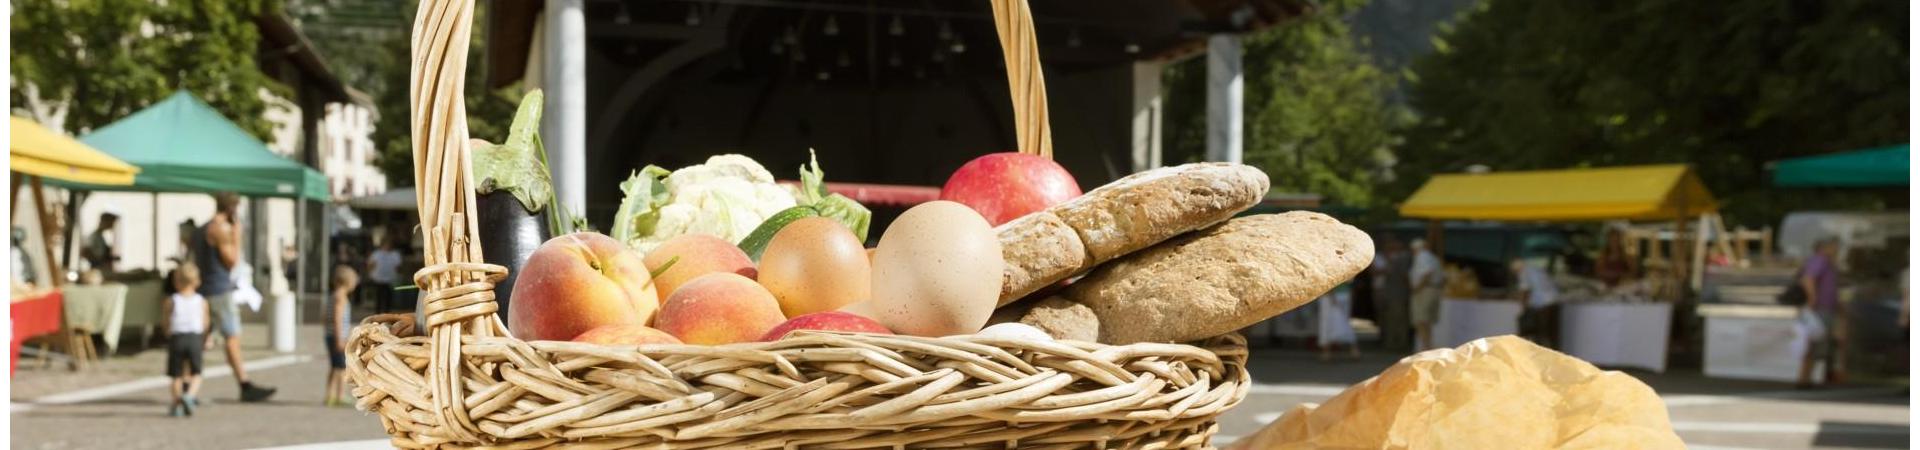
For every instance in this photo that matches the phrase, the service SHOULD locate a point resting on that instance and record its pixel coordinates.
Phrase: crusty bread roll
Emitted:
(1039, 249)
(1221, 279)
(1121, 217)
(1145, 208)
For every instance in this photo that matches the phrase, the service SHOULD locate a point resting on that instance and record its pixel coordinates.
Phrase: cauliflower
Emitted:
(727, 197)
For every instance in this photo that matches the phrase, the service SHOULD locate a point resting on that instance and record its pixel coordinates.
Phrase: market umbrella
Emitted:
(1884, 166)
(36, 150)
(183, 145)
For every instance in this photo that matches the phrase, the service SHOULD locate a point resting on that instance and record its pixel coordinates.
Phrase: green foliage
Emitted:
(1317, 116)
(101, 60)
(371, 41)
(1724, 85)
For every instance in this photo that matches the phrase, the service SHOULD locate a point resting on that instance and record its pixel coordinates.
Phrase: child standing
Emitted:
(187, 316)
(335, 322)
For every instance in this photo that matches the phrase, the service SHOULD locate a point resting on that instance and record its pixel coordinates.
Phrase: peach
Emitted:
(825, 321)
(578, 282)
(626, 334)
(719, 308)
(699, 254)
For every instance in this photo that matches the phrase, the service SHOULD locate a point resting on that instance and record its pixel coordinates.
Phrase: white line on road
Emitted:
(1304, 390)
(1748, 427)
(154, 382)
(1706, 400)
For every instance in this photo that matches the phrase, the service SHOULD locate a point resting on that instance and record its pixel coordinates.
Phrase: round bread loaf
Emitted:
(1221, 279)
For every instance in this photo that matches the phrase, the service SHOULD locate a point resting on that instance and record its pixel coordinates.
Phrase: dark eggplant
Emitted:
(508, 236)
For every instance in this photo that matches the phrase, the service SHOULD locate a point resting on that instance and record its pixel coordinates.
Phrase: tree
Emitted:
(1724, 85)
(372, 40)
(1317, 116)
(82, 64)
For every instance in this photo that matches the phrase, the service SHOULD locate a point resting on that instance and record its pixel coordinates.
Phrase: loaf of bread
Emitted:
(1121, 217)
(1059, 317)
(1039, 249)
(1221, 279)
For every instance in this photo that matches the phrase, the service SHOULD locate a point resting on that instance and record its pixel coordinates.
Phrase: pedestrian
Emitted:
(215, 252)
(1392, 293)
(1335, 329)
(335, 322)
(1535, 290)
(187, 316)
(1429, 281)
(98, 251)
(383, 268)
(1819, 280)
(1614, 265)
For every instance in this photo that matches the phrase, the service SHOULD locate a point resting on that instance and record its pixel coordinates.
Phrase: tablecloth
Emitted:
(32, 317)
(97, 308)
(1617, 334)
(1464, 320)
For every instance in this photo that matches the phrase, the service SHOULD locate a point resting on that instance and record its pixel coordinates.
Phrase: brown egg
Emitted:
(815, 264)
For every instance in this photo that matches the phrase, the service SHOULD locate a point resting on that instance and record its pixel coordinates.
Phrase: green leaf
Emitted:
(642, 195)
(813, 192)
(518, 164)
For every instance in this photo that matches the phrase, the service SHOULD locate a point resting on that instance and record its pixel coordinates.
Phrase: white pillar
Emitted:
(1147, 111)
(1225, 87)
(563, 124)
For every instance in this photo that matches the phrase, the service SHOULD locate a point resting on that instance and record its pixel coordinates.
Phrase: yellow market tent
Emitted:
(1659, 192)
(37, 151)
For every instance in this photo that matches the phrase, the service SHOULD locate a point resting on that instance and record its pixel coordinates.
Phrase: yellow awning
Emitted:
(39, 151)
(1662, 192)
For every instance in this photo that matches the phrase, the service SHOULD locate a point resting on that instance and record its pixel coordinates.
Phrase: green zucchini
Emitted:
(756, 242)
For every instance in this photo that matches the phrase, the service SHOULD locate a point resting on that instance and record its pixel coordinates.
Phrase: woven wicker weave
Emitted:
(468, 383)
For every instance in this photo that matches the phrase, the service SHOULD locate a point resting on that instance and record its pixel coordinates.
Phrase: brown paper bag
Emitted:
(1501, 392)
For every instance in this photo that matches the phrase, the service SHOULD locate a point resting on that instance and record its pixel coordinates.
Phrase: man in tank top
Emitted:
(215, 250)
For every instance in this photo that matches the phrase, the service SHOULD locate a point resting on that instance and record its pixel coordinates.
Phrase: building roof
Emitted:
(282, 36)
(1071, 33)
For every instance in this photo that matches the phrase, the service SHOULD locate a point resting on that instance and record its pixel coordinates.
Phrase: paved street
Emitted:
(122, 404)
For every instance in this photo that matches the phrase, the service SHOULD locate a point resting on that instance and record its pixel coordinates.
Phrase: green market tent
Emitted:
(1885, 166)
(183, 145)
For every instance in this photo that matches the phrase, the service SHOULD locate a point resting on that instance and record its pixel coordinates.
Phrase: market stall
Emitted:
(1591, 325)
(183, 145)
(37, 153)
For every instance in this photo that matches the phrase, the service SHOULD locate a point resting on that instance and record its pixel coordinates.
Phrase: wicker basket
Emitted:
(467, 383)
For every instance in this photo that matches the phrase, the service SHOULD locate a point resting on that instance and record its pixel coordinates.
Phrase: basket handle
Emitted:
(456, 285)
(1021, 48)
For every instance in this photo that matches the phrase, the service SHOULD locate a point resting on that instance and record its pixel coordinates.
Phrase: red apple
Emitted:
(1005, 186)
(827, 321)
(578, 282)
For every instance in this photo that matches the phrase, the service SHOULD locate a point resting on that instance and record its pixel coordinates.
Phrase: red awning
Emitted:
(882, 194)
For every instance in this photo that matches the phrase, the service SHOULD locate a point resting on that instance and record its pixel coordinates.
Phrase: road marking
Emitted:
(1304, 390)
(153, 382)
(1708, 400)
(370, 444)
(1324, 391)
(1748, 427)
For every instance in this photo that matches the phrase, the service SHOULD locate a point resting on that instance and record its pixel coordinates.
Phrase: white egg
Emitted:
(1014, 331)
(936, 271)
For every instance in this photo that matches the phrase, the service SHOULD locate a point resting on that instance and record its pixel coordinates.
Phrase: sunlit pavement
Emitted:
(119, 405)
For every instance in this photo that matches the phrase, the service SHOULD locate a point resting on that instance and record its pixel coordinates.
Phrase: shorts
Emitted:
(1426, 306)
(183, 354)
(1822, 345)
(336, 356)
(226, 314)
